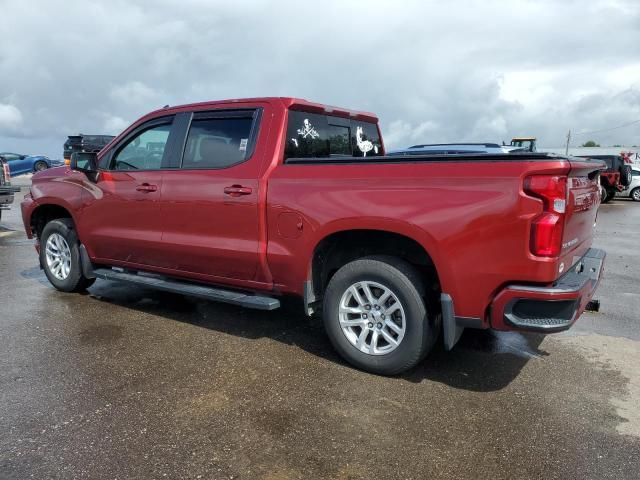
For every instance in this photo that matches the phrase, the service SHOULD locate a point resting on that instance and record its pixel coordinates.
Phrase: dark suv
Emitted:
(85, 143)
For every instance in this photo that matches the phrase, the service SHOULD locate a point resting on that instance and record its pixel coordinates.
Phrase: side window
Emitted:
(339, 140)
(217, 142)
(316, 135)
(144, 151)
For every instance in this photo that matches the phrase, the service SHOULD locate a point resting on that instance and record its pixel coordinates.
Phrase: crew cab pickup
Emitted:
(246, 201)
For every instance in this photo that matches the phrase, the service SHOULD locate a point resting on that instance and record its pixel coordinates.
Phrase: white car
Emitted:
(633, 190)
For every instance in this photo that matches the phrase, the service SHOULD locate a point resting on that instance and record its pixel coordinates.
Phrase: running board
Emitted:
(257, 302)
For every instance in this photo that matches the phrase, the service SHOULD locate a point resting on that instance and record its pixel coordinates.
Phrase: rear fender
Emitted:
(383, 224)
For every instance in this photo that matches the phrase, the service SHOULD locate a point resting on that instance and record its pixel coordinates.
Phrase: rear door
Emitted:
(122, 220)
(210, 203)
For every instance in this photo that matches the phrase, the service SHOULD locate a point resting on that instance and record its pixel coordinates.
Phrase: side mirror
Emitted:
(85, 162)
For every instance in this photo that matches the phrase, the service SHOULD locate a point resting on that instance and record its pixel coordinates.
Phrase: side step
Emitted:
(258, 302)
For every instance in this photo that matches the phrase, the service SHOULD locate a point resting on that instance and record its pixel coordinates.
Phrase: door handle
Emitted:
(145, 187)
(237, 190)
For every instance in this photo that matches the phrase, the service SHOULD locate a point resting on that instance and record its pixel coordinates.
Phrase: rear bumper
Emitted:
(551, 308)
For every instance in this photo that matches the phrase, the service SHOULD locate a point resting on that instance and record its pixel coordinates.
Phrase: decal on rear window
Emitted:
(307, 130)
(323, 136)
(364, 145)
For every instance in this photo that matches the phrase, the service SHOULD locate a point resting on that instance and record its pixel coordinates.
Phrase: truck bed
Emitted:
(470, 212)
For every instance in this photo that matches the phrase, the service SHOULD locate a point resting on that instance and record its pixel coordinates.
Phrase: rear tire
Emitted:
(635, 194)
(60, 256)
(609, 196)
(359, 324)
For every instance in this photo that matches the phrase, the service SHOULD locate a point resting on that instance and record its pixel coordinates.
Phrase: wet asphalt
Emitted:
(129, 383)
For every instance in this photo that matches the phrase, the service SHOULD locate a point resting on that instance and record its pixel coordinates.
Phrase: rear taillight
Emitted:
(547, 228)
(7, 172)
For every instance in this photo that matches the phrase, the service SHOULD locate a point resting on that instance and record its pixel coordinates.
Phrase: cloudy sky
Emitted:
(433, 71)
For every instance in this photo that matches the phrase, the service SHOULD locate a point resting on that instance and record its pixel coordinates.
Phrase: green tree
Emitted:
(590, 143)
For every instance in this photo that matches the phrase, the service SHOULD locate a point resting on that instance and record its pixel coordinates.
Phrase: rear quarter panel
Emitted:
(472, 218)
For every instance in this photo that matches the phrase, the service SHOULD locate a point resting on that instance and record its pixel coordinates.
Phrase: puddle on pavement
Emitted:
(101, 334)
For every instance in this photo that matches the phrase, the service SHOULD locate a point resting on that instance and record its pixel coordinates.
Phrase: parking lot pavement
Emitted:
(125, 382)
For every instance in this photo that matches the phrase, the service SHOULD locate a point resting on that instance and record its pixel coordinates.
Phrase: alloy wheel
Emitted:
(58, 255)
(372, 318)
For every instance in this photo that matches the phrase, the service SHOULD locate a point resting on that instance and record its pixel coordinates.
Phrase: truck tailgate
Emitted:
(583, 200)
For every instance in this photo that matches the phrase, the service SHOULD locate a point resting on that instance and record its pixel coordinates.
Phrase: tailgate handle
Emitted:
(145, 187)
(237, 190)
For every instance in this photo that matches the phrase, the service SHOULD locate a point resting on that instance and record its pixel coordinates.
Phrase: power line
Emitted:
(608, 129)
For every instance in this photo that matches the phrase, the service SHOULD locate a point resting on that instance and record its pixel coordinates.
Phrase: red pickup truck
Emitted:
(245, 201)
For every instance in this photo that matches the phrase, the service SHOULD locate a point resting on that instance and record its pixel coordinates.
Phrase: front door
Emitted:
(122, 218)
(210, 203)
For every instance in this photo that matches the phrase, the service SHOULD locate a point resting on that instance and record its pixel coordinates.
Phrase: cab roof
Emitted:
(287, 102)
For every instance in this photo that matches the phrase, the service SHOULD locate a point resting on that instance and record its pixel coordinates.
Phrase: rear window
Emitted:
(323, 136)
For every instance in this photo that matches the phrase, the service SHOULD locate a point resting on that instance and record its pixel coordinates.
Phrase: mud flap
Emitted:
(451, 331)
(85, 263)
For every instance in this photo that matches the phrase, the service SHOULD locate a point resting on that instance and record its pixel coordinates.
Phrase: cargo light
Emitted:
(548, 227)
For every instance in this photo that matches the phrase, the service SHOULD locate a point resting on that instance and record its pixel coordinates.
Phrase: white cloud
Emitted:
(134, 92)
(113, 125)
(433, 71)
(10, 120)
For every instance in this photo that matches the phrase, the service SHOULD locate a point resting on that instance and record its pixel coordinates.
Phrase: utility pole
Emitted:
(566, 150)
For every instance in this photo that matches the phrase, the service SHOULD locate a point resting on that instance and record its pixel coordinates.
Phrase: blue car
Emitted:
(20, 164)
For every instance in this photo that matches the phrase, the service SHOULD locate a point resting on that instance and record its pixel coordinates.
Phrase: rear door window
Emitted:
(215, 143)
(323, 136)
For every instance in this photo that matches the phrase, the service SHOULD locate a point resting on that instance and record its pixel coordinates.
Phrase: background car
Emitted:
(6, 190)
(84, 143)
(633, 190)
(615, 178)
(21, 164)
(455, 149)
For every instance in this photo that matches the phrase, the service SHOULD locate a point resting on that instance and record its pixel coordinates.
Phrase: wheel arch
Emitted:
(46, 212)
(342, 245)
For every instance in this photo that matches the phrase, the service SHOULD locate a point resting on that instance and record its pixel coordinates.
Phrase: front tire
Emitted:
(60, 256)
(635, 194)
(376, 317)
